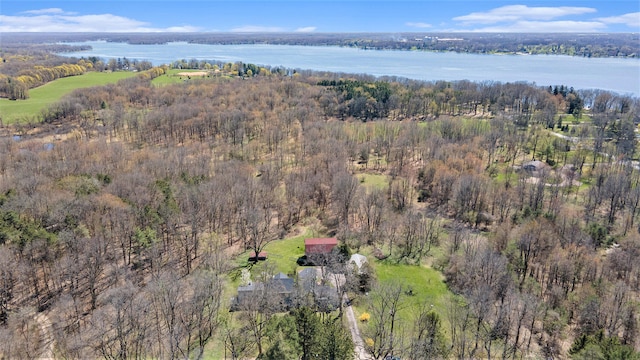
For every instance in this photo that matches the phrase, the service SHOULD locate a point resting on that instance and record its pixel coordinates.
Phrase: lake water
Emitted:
(613, 74)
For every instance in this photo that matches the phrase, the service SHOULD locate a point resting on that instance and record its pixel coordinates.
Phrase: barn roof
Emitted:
(321, 241)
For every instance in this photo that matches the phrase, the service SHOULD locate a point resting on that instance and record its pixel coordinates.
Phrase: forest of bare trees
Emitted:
(120, 213)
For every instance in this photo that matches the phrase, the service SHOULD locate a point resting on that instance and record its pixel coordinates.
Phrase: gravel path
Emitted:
(361, 353)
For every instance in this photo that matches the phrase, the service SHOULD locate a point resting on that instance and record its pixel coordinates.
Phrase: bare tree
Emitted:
(419, 233)
(428, 341)
(167, 292)
(256, 312)
(7, 282)
(371, 213)
(120, 328)
(460, 321)
(383, 329)
(237, 340)
(22, 337)
(343, 193)
(199, 312)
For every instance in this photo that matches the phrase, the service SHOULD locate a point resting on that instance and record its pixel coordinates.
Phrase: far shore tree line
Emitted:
(623, 45)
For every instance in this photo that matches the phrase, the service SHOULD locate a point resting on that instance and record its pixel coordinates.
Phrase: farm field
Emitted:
(22, 111)
(176, 76)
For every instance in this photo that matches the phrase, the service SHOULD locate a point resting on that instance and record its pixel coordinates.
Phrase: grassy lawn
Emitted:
(373, 181)
(172, 77)
(427, 289)
(284, 253)
(426, 284)
(41, 97)
(281, 254)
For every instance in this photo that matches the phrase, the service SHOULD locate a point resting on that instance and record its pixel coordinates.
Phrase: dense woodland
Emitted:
(121, 212)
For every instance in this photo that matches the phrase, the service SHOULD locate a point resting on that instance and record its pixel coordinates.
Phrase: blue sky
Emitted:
(320, 16)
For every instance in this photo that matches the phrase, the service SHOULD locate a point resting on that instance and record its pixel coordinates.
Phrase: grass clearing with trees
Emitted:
(177, 76)
(423, 285)
(374, 181)
(23, 111)
(281, 254)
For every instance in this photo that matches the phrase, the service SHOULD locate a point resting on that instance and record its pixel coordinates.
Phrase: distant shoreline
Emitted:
(599, 45)
(610, 74)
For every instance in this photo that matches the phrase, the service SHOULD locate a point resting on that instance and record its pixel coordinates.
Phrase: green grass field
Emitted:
(282, 254)
(22, 111)
(426, 284)
(374, 181)
(172, 77)
(427, 288)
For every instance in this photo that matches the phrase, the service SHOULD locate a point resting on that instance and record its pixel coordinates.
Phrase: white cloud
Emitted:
(44, 11)
(546, 27)
(523, 18)
(57, 20)
(257, 29)
(512, 13)
(630, 19)
(306, 29)
(419, 25)
(186, 28)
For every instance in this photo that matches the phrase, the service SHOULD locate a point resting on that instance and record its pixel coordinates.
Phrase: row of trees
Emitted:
(24, 69)
(20, 72)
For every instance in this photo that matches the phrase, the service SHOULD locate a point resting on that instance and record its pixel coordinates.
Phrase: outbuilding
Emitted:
(262, 256)
(319, 246)
(357, 260)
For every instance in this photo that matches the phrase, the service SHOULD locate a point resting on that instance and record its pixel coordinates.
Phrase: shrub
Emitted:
(364, 317)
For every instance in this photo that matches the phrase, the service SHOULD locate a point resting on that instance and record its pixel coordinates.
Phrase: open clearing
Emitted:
(193, 73)
(374, 181)
(177, 76)
(22, 111)
(423, 286)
